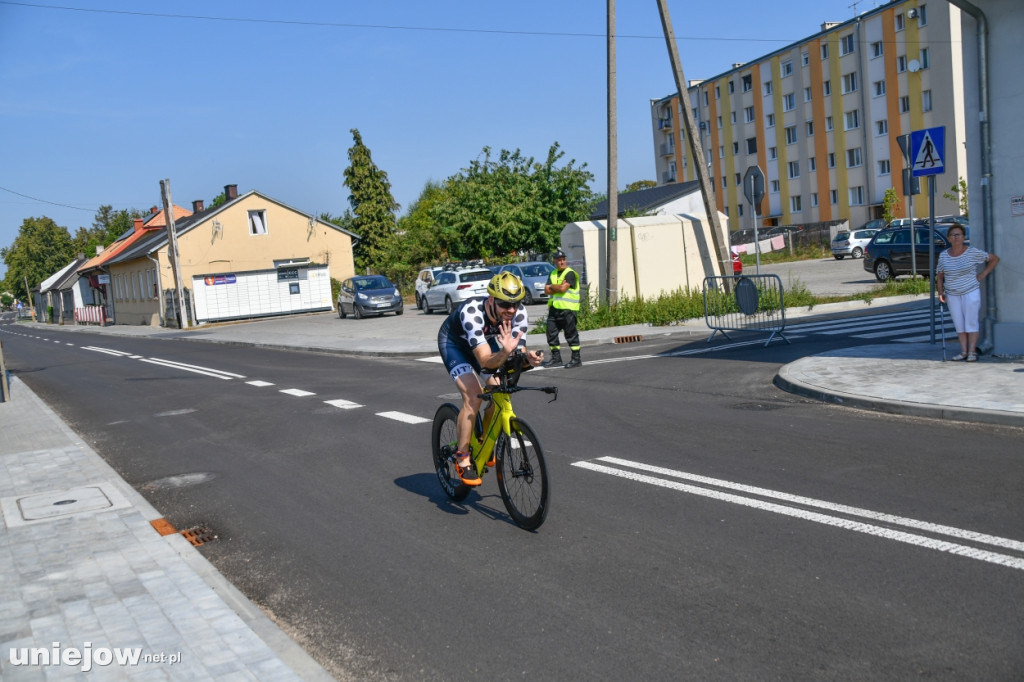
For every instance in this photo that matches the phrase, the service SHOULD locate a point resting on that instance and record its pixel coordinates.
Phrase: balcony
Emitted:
(666, 149)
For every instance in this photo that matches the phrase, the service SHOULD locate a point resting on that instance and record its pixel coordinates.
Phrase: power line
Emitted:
(52, 203)
(389, 27)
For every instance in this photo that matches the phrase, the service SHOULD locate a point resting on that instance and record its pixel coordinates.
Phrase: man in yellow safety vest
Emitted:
(563, 288)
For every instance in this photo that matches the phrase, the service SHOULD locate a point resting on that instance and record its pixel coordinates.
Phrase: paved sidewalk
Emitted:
(85, 571)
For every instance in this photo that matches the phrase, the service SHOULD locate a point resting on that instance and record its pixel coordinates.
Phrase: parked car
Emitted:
(369, 295)
(452, 287)
(534, 275)
(851, 244)
(424, 280)
(889, 254)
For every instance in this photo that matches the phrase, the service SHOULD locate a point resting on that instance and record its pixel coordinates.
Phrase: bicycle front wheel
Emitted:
(522, 476)
(444, 441)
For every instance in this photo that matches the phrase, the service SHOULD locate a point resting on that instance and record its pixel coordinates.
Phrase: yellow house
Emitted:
(252, 256)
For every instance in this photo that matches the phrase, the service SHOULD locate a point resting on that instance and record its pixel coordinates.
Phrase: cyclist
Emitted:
(481, 334)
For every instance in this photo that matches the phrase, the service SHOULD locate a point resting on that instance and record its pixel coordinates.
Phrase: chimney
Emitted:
(154, 210)
(826, 25)
(81, 256)
(230, 192)
(137, 224)
(197, 206)
(99, 249)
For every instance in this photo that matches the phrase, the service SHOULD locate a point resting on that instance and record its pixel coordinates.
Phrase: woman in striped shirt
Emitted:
(958, 281)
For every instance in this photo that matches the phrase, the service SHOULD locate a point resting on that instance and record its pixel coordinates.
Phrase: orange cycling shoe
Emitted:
(466, 470)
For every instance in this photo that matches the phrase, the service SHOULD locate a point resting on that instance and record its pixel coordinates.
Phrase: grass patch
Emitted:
(802, 252)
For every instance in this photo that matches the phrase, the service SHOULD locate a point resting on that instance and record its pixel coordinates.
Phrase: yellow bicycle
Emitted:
(505, 442)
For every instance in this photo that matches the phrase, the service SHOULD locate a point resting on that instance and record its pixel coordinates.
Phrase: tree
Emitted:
(958, 193)
(372, 205)
(640, 184)
(890, 204)
(107, 226)
(41, 248)
(512, 204)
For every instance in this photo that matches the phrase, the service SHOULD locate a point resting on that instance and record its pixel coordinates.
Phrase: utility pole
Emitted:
(707, 188)
(612, 261)
(172, 252)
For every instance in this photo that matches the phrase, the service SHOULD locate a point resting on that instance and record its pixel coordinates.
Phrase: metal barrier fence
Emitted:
(91, 314)
(755, 305)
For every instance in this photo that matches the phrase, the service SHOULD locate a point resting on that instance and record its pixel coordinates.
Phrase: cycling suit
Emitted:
(466, 328)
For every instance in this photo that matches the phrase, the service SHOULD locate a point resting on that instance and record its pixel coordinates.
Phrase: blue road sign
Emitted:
(927, 151)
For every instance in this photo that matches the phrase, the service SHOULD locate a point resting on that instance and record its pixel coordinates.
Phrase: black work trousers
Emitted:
(563, 320)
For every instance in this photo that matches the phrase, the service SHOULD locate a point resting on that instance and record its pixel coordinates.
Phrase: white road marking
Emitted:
(848, 524)
(258, 383)
(402, 417)
(108, 351)
(343, 404)
(297, 392)
(182, 365)
(432, 358)
(197, 370)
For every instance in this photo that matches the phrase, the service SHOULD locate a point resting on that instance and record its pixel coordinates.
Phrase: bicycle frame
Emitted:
(498, 425)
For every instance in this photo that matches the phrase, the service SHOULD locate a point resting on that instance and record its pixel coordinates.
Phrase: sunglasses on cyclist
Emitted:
(504, 305)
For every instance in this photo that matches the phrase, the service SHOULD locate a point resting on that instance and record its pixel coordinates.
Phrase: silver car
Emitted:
(534, 276)
(452, 287)
(852, 244)
(423, 282)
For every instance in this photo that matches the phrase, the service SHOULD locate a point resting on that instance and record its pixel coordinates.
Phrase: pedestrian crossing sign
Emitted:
(927, 150)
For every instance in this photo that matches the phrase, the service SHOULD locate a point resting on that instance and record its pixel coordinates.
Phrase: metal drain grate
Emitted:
(629, 339)
(197, 535)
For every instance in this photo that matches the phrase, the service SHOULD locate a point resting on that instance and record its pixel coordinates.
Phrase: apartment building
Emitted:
(821, 118)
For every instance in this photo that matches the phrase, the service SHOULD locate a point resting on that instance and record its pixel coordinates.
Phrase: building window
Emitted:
(922, 15)
(769, 120)
(850, 82)
(833, 196)
(718, 93)
(824, 50)
(767, 88)
(732, 87)
(846, 45)
(705, 98)
(790, 134)
(877, 49)
(774, 186)
(773, 153)
(828, 124)
(853, 158)
(812, 164)
(795, 205)
(732, 117)
(739, 209)
(807, 94)
(735, 148)
(751, 145)
(879, 88)
(926, 100)
(794, 169)
(851, 120)
(882, 127)
(719, 122)
(826, 87)
(904, 104)
(805, 58)
(901, 23)
(856, 196)
(925, 62)
(787, 68)
(721, 151)
(748, 114)
(747, 83)
(831, 160)
(814, 199)
(725, 182)
(257, 222)
(901, 63)
(883, 167)
(810, 128)
(788, 102)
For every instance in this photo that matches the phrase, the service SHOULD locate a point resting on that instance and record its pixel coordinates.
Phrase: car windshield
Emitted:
(477, 276)
(537, 270)
(375, 282)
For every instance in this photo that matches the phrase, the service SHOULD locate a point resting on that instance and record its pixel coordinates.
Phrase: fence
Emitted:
(91, 314)
(793, 236)
(755, 305)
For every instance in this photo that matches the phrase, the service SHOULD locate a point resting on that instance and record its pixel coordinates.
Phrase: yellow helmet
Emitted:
(506, 287)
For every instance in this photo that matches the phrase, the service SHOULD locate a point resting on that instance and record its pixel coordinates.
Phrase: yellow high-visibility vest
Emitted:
(570, 300)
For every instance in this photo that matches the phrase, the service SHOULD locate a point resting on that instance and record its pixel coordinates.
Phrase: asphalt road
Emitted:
(736, 533)
(822, 276)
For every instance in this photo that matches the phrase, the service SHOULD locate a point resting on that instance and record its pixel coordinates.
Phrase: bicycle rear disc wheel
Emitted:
(444, 441)
(522, 476)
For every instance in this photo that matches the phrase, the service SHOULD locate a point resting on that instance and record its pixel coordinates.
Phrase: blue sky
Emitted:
(100, 103)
